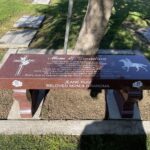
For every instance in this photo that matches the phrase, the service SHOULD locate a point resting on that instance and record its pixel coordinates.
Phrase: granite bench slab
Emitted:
(29, 22)
(17, 39)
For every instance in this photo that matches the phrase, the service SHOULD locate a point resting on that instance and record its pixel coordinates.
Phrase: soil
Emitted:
(72, 104)
(5, 103)
(144, 105)
(78, 104)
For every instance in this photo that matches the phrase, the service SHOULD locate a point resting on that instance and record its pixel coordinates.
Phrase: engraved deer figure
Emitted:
(128, 64)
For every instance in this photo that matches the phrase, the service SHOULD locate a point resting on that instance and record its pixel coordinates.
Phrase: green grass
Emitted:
(31, 142)
(126, 18)
(93, 142)
(52, 33)
(11, 10)
(2, 53)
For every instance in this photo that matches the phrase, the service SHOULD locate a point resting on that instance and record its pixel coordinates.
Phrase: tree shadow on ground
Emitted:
(119, 36)
(113, 142)
(108, 134)
(37, 96)
(52, 33)
(112, 134)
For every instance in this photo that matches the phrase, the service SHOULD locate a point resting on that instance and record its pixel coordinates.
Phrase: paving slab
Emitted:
(116, 52)
(74, 127)
(17, 39)
(45, 51)
(145, 33)
(15, 111)
(41, 2)
(31, 51)
(10, 51)
(29, 22)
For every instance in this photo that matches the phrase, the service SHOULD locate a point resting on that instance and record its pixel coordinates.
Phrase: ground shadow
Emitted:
(122, 10)
(52, 33)
(111, 134)
(37, 96)
(105, 136)
(120, 33)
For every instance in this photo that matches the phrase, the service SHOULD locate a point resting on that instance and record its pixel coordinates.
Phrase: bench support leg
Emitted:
(125, 100)
(24, 103)
(126, 106)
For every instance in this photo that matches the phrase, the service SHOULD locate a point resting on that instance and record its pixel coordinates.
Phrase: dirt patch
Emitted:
(144, 105)
(78, 104)
(73, 104)
(5, 103)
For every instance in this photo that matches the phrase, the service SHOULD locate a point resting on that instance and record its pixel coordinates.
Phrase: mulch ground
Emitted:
(144, 105)
(78, 104)
(72, 104)
(5, 103)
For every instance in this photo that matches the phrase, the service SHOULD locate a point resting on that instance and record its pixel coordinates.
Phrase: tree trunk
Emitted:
(94, 26)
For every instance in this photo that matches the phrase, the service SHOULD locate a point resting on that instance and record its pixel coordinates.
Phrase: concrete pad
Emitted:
(44, 51)
(31, 51)
(15, 111)
(62, 52)
(74, 127)
(41, 2)
(145, 33)
(113, 109)
(116, 52)
(38, 112)
(10, 51)
(112, 106)
(17, 39)
(29, 22)
(136, 114)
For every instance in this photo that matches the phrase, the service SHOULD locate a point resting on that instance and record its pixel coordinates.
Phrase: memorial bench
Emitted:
(126, 74)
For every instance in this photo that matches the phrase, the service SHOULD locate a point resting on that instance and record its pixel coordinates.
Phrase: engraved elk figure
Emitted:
(128, 64)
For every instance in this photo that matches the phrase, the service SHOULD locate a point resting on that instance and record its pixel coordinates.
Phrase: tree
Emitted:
(94, 26)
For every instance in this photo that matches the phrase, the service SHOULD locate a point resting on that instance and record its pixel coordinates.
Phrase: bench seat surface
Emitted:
(35, 71)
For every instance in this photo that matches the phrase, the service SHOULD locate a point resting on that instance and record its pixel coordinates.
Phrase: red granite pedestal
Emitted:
(24, 103)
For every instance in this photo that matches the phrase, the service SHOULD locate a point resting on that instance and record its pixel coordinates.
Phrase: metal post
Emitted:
(70, 7)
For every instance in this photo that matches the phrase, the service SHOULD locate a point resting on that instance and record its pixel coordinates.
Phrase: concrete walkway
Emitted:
(76, 127)
(45, 2)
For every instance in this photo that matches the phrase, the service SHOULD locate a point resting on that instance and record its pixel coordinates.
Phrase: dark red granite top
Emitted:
(34, 71)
